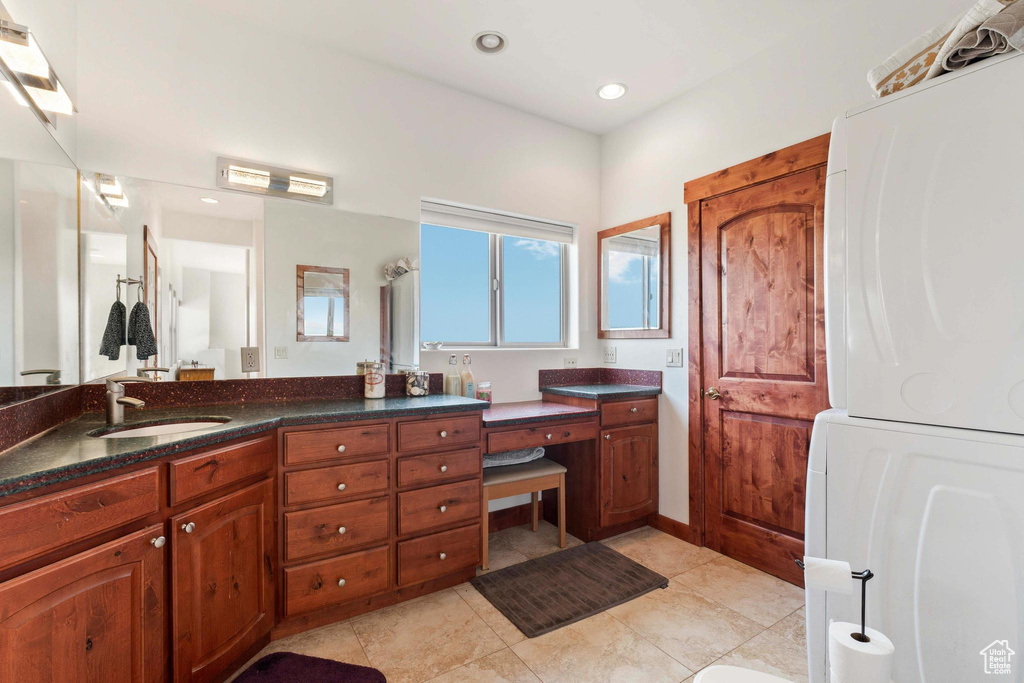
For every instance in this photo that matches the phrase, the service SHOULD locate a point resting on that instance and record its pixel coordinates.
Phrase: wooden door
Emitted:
(95, 617)
(629, 473)
(764, 365)
(222, 585)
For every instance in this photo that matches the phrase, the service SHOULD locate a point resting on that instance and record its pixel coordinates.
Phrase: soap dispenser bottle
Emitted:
(452, 381)
(468, 381)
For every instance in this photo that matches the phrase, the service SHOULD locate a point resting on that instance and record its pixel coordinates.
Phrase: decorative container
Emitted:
(483, 391)
(417, 383)
(373, 379)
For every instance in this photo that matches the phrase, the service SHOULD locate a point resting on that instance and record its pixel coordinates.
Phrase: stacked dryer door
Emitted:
(933, 278)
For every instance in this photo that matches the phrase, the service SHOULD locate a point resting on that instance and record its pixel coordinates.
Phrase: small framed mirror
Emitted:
(634, 292)
(322, 312)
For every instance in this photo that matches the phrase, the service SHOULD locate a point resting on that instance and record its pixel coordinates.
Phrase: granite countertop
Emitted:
(68, 451)
(526, 412)
(601, 391)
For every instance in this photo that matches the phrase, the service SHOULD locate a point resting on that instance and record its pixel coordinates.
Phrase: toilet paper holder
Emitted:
(863, 577)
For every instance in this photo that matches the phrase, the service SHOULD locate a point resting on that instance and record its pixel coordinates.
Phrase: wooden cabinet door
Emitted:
(764, 365)
(95, 617)
(222, 581)
(629, 473)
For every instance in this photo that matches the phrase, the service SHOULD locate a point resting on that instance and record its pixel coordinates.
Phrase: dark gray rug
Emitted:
(556, 590)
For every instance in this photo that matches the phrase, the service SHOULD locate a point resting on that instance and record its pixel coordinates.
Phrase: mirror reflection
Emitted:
(634, 279)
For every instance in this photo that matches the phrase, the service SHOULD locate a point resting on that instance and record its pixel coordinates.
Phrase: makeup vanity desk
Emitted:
(605, 435)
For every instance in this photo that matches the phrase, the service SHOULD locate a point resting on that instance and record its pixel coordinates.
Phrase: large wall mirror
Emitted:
(216, 272)
(39, 349)
(635, 284)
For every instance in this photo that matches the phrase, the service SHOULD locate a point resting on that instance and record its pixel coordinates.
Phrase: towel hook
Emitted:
(140, 291)
(119, 287)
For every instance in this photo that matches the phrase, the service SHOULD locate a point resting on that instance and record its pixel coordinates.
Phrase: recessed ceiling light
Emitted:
(611, 91)
(489, 42)
(209, 200)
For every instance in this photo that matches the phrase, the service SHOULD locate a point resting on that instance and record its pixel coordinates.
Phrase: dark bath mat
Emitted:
(288, 667)
(556, 590)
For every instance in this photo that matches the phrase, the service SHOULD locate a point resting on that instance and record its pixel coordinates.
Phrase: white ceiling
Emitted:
(182, 199)
(559, 51)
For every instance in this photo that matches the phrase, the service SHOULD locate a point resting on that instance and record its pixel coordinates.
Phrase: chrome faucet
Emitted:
(116, 400)
(141, 372)
(52, 376)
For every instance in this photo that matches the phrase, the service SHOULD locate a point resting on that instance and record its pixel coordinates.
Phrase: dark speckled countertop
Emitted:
(67, 451)
(526, 412)
(603, 391)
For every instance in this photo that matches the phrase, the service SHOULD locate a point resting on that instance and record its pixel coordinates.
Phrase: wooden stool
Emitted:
(530, 477)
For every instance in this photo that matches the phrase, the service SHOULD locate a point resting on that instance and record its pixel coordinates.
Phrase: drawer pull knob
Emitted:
(443, 556)
(607, 437)
(342, 487)
(547, 436)
(342, 529)
(566, 434)
(444, 468)
(341, 583)
(444, 434)
(158, 542)
(634, 409)
(443, 508)
(341, 448)
(188, 528)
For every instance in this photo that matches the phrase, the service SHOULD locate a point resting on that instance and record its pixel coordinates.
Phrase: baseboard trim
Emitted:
(506, 518)
(680, 530)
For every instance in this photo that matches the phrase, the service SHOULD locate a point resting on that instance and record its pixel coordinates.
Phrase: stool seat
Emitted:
(541, 467)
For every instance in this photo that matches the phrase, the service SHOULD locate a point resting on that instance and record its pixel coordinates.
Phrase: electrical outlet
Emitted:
(250, 359)
(570, 363)
(674, 358)
(610, 354)
(281, 352)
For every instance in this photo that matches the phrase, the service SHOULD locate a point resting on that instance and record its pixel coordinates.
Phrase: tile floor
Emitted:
(715, 610)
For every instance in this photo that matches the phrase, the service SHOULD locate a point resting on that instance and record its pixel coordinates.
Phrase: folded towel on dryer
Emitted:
(998, 34)
(114, 333)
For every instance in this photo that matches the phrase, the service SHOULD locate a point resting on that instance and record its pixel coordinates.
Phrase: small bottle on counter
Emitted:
(453, 381)
(373, 380)
(483, 391)
(468, 381)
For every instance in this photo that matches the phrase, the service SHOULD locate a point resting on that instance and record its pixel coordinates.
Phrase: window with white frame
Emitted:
(492, 279)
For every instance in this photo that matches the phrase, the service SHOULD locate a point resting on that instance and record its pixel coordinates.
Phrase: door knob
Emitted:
(443, 508)
(342, 487)
(443, 556)
(634, 409)
(341, 583)
(713, 394)
(547, 436)
(341, 449)
(158, 542)
(444, 468)
(444, 434)
(607, 437)
(188, 528)
(342, 530)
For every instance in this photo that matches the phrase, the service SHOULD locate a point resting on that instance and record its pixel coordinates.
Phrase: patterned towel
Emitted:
(113, 335)
(999, 34)
(140, 332)
(922, 58)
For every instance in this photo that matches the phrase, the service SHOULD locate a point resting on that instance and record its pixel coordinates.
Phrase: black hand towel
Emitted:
(140, 332)
(113, 335)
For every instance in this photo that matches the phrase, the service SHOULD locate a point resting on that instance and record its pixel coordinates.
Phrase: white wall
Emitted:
(787, 94)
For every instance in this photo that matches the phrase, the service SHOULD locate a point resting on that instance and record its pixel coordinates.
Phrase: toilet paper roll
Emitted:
(827, 575)
(851, 661)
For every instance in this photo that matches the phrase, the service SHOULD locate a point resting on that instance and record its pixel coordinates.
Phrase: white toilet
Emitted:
(735, 674)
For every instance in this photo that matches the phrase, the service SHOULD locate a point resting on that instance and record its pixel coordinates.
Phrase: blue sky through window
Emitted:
(455, 283)
(532, 271)
(625, 290)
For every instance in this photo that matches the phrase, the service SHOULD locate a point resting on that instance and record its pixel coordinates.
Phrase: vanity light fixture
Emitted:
(28, 74)
(611, 91)
(257, 178)
(209, 200)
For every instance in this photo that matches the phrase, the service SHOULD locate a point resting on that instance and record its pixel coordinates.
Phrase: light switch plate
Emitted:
(570, 363)
(674, 358)
(281, 352)
(610, 354)
(250, 359)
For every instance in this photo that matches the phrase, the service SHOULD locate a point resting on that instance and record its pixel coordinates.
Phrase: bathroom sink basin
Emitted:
(159, 429)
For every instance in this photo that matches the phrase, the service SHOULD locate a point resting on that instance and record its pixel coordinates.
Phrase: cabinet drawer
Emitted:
(335, 527)
(40, 525)
(193, 476)
(429, 469)
(440, 433)
(629, 412)
(437, 506)
(422, 559)
(515, 439)
(334, 581)
(331, 444)
(335, 483)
